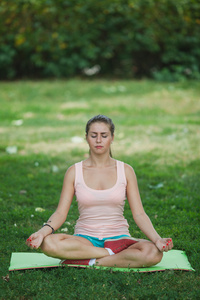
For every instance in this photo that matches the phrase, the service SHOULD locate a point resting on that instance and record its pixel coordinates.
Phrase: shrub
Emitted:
(127, 38)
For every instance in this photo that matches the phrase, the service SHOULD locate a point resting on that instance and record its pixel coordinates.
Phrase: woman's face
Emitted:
(99, 138)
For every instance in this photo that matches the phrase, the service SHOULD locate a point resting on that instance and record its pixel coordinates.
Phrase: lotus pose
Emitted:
(101, 185)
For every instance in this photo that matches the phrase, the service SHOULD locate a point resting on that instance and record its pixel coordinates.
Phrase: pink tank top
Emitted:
(101, 211)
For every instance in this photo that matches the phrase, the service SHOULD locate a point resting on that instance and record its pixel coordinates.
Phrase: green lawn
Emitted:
(157, 132)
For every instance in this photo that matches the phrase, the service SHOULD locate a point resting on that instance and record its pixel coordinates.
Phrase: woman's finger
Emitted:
(29, 241)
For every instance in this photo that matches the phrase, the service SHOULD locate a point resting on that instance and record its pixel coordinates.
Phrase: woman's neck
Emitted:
(99, 161)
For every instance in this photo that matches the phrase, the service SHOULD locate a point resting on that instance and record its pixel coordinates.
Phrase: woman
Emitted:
(101, 185)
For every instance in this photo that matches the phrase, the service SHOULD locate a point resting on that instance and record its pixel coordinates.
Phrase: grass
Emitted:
(157, 132)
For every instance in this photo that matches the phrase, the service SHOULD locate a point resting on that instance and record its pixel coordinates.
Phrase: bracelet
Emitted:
(50, 227)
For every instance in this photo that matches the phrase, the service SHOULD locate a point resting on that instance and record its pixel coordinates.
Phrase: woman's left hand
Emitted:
(165, 244)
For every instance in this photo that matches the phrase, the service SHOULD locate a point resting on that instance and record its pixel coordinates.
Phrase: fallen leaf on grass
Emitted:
(11, 149)
(77, 140)
(67, 223)
(17, 122)
(64, 229)
(22, 192)
(54, 169)
(39, 209)
(158, 186)
(6, 278)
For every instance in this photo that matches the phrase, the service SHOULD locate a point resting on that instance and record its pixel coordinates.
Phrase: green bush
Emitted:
(126, 38)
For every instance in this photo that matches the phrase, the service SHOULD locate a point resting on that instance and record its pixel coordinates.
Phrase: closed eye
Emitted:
(94, 136)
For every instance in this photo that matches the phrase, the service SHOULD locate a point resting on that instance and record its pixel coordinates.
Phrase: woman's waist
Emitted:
(101, 223)
(102, 231)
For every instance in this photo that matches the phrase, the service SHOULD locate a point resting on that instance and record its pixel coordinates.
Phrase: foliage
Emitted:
(126, 38)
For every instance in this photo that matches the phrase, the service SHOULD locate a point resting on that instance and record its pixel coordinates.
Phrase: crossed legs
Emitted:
(141, 254)
(66, 246)
(63, 246)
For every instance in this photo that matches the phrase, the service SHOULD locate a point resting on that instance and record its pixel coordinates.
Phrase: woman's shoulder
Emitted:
(72, 168)
(127, 167)
(70, 173)
(129, 171)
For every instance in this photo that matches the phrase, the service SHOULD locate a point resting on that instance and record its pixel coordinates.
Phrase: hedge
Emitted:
(122, 38)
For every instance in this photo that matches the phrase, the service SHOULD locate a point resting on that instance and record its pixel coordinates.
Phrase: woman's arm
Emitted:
(139, 215)
(60, 215)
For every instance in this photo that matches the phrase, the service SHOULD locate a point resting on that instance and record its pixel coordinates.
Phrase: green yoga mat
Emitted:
(174, 259)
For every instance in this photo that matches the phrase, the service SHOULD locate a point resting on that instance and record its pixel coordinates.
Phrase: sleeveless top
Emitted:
(101, 211)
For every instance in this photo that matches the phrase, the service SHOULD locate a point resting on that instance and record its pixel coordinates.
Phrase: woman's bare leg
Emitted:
(141, 254)
(65, 246)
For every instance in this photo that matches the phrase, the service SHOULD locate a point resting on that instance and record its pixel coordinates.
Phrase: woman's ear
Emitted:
(86, 138)
(113, 136)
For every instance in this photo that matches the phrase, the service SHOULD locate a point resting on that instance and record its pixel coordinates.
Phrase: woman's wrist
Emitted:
(45, 230)
(46, 224)
(156, 240)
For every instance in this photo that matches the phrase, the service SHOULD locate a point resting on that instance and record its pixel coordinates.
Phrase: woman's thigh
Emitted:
(144, 245)
(148, 251)
(58, 238)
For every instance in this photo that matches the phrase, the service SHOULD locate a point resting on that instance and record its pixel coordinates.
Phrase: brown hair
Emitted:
(103, 119)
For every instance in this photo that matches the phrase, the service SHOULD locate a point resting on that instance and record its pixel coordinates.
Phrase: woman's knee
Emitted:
(52, 244)
(48, 246)
(153, 255)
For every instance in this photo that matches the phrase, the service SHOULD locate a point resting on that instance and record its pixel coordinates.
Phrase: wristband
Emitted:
(50, 227)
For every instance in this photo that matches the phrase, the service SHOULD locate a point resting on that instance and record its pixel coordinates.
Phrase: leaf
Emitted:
(17, 122)
(6, 278)
(92, 71)
(11, 149)
(67, 223)
(39, 209)
(77, 140)
(54, 169)
(64, 229)
(158, 186)
(22, 192)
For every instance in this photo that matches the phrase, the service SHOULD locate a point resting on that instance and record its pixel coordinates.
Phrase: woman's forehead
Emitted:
(99, 127)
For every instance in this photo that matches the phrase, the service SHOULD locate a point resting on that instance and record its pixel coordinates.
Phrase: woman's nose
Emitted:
(98, 138)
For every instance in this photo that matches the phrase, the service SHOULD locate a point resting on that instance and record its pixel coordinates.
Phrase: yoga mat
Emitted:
(174, 259)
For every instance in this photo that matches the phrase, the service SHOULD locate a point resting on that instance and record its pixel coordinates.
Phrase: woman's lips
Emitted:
(99, 147)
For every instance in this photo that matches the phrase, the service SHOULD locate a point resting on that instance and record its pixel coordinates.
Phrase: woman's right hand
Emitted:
(35, 240)
(165, 244)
